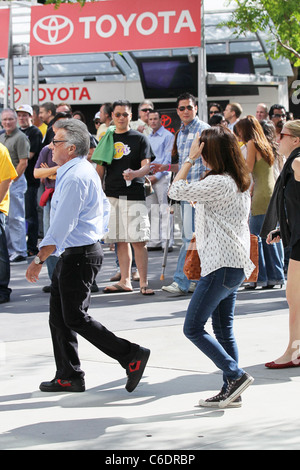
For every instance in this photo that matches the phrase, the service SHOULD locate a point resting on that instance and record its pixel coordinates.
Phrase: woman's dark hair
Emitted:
(249, 128)
(216, 119)
(82, 116)
(222, 153)
(270, 133)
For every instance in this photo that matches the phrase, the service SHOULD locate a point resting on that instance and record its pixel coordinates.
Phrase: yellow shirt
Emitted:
(7, 171)
(43, 128)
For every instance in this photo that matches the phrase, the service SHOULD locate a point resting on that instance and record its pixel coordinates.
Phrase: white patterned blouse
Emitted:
(221, 222)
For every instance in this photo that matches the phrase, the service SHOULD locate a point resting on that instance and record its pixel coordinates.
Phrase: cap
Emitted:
(25, 108)
(97, 116)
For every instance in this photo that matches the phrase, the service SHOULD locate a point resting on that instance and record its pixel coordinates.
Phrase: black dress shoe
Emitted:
(61, 385)
(136, 368)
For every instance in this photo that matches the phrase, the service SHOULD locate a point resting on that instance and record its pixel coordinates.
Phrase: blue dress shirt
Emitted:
(162, 143)
(79, 208)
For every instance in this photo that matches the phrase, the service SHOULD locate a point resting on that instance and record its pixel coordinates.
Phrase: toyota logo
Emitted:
(52, 30)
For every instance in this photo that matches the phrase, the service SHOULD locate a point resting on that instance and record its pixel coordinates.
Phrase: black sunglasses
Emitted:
(117, 115)
(183, 108)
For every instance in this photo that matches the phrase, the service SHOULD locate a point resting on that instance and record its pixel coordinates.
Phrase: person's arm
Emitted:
(296, 168)
(251, 154)
(4, 187)
(45, 172)
(195, 153)
(21, 167)
(158, 167)
(33, 271)
(101, 172)
(130, 174)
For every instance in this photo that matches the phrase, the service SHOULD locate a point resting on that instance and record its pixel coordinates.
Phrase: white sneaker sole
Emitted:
(237, 393)
(205, 404)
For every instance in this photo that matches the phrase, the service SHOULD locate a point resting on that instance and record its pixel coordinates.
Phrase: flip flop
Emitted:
(115, 288)
(145, 290)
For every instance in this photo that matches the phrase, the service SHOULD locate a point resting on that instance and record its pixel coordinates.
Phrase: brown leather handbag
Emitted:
(192, 266)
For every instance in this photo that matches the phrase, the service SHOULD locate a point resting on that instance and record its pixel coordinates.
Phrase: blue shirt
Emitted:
(79, 208)
(162, 143)
(185, 139)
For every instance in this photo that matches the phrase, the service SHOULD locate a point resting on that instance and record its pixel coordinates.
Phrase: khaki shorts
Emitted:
(128, 222)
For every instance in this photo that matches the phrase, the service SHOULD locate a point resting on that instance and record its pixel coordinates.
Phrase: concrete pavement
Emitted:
(162, 413)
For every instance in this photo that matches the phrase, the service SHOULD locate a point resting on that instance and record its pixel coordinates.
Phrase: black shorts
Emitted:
(295, 251)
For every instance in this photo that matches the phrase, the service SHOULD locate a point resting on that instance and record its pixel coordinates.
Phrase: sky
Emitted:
(214, 4)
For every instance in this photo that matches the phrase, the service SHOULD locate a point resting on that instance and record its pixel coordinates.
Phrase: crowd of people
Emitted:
(232, 175)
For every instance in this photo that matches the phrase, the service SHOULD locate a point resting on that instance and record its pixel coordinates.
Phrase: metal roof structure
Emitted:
(117, 66)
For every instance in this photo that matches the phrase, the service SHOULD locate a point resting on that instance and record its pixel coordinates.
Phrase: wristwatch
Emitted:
(189, 160)
(38, 260)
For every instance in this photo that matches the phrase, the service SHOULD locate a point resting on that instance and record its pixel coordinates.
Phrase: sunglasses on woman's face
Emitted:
(283, 134)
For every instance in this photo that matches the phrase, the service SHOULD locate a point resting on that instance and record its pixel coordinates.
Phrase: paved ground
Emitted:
(162, 413)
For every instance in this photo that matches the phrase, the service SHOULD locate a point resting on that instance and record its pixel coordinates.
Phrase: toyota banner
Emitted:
(114, 25)
(4, 32)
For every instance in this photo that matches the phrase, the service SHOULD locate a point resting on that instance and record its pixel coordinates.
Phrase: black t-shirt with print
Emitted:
(131, 148)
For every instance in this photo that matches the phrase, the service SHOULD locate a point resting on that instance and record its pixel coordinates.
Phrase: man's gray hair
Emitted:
(76, 134)
(12, 111)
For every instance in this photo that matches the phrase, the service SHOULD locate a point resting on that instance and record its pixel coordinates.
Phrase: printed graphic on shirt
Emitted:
(121, 150)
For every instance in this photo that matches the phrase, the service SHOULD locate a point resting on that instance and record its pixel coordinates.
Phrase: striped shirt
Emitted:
(185, 139)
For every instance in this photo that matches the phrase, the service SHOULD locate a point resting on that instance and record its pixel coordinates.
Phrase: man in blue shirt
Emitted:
(161, 141)
(190, 125)
(78, 220)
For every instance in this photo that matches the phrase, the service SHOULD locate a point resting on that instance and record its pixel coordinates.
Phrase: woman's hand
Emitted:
(271, 240)
(196, 148)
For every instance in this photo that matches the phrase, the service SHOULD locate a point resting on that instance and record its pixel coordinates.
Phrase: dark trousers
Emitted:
(4, 261)
(72, 279)
(32, 218)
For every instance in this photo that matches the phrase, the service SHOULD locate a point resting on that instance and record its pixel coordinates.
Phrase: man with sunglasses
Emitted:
(124, 187)
(141, 124)
(79, 215)
(277, 115)
(190, 126)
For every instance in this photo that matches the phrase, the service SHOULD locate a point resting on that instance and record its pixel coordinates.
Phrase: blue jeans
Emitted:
(4, 260)
(215, 297)
(270, 257)
(15, 225)
(188, 227)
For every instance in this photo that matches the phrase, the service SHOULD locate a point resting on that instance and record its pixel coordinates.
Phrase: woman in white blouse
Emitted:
(223, 243)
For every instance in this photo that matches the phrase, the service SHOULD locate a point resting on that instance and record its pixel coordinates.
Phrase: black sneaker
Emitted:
(61, 385)
(136, 368)
(214, 402)
(235, 388)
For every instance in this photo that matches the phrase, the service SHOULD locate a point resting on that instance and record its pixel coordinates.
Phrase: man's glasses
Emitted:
(55, 142)
(117, 115)
(146, 109)
(183, 108)
(283, 134)
(279, 116)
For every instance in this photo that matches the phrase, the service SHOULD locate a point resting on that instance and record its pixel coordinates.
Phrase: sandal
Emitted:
(145, 290)
(115, 288)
